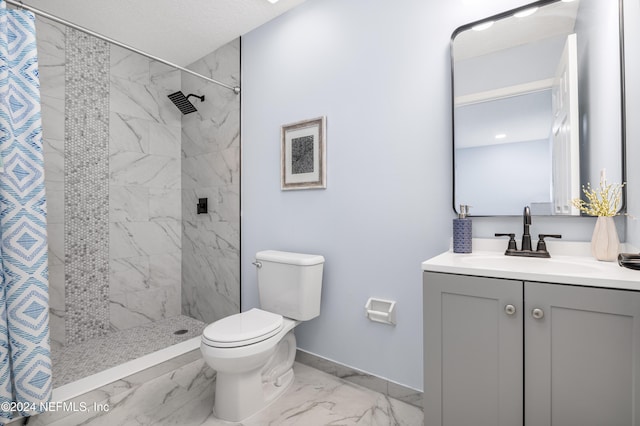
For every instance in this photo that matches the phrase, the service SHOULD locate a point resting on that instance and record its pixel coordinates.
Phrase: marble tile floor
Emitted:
(185, 397)
(317, 398)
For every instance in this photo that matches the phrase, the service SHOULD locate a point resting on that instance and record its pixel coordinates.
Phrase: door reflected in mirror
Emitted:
(537, 107)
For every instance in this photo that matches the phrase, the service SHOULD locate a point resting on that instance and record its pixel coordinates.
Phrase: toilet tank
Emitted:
(289, 284)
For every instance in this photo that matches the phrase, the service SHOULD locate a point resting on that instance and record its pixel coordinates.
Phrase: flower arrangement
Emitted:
(604, 201)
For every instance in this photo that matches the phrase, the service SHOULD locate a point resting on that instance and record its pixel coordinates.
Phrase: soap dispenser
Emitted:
(462, 231)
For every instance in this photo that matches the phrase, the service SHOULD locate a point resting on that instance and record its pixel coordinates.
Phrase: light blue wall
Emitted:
(599, 109)
(632, 51)
(380, 72)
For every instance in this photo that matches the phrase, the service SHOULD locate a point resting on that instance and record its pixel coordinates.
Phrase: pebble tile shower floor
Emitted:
(74, 362)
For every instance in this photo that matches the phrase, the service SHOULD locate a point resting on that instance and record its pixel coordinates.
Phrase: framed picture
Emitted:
(303, 155)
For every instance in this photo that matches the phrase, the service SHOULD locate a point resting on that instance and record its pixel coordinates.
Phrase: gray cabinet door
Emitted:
(473, 351)
(582, 356)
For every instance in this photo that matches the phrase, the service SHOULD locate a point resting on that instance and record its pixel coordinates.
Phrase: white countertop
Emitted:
(570, 263)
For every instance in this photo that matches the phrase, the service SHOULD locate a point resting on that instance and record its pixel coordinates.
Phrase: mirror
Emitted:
(538, 107)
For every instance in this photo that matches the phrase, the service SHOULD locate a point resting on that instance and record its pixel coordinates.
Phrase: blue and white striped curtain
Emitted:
(25, 357)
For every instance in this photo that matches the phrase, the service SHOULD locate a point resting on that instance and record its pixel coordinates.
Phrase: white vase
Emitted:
(605, 244)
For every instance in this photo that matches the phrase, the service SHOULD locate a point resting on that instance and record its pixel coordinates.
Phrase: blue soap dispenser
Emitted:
(462, 231)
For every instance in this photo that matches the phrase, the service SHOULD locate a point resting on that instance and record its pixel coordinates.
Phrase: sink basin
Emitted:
(558, 265)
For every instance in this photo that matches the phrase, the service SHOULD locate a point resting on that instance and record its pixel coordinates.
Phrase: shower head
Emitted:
(183, 103)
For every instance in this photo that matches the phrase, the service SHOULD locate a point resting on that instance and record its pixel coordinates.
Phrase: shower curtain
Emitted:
(25, 359)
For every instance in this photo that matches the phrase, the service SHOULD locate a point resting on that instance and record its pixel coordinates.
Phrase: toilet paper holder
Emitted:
(381, 310)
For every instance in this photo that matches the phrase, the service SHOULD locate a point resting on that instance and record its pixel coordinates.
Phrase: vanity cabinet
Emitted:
(509, 352)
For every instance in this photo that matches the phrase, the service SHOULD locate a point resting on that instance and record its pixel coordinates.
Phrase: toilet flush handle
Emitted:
(257, 264)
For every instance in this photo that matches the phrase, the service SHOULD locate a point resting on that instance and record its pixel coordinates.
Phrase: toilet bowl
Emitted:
(254, 369)
(253, 351)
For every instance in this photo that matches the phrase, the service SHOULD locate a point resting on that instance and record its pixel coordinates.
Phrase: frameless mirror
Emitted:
(538, 106)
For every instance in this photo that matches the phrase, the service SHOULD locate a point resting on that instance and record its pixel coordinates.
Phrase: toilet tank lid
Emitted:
(289, 258)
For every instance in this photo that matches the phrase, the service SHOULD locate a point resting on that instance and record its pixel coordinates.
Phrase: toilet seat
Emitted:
(242, 329)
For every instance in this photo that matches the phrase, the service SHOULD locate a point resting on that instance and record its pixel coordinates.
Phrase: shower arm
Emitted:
(195, 96)
(20, 5)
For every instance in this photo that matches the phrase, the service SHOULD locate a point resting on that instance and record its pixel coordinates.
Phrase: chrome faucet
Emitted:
(526, 250)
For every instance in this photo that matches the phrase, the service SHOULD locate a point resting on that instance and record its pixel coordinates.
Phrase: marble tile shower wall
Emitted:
(144, 241)
(210, 168)
(144, 191)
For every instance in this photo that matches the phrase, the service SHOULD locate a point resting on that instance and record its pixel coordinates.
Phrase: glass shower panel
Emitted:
(131, 262)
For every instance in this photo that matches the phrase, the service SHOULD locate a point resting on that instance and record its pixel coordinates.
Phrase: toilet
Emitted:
(253, 351)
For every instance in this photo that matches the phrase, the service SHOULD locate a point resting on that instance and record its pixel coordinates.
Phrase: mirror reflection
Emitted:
(537, 107)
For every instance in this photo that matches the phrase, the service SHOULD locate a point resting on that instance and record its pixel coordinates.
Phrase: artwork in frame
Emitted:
(303, 155)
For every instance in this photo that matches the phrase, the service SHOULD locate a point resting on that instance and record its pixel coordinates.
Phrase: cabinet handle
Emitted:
(537, 313)
(510, 309)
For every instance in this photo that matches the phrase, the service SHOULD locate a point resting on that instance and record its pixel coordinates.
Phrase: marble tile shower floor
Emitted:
(71, 363)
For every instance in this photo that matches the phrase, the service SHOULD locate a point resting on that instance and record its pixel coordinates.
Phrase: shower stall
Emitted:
(134, 265)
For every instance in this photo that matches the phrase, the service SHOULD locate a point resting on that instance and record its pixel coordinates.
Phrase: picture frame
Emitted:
(303, 155)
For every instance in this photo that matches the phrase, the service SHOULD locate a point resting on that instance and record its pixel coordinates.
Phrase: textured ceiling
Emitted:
(180, 31)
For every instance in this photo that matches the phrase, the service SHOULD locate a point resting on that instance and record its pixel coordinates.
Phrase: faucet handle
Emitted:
(512, 241)
(542, 245)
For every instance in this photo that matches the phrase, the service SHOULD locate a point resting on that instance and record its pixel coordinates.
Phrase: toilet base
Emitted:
(273, 390)
(237, 395)
(241, 395)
